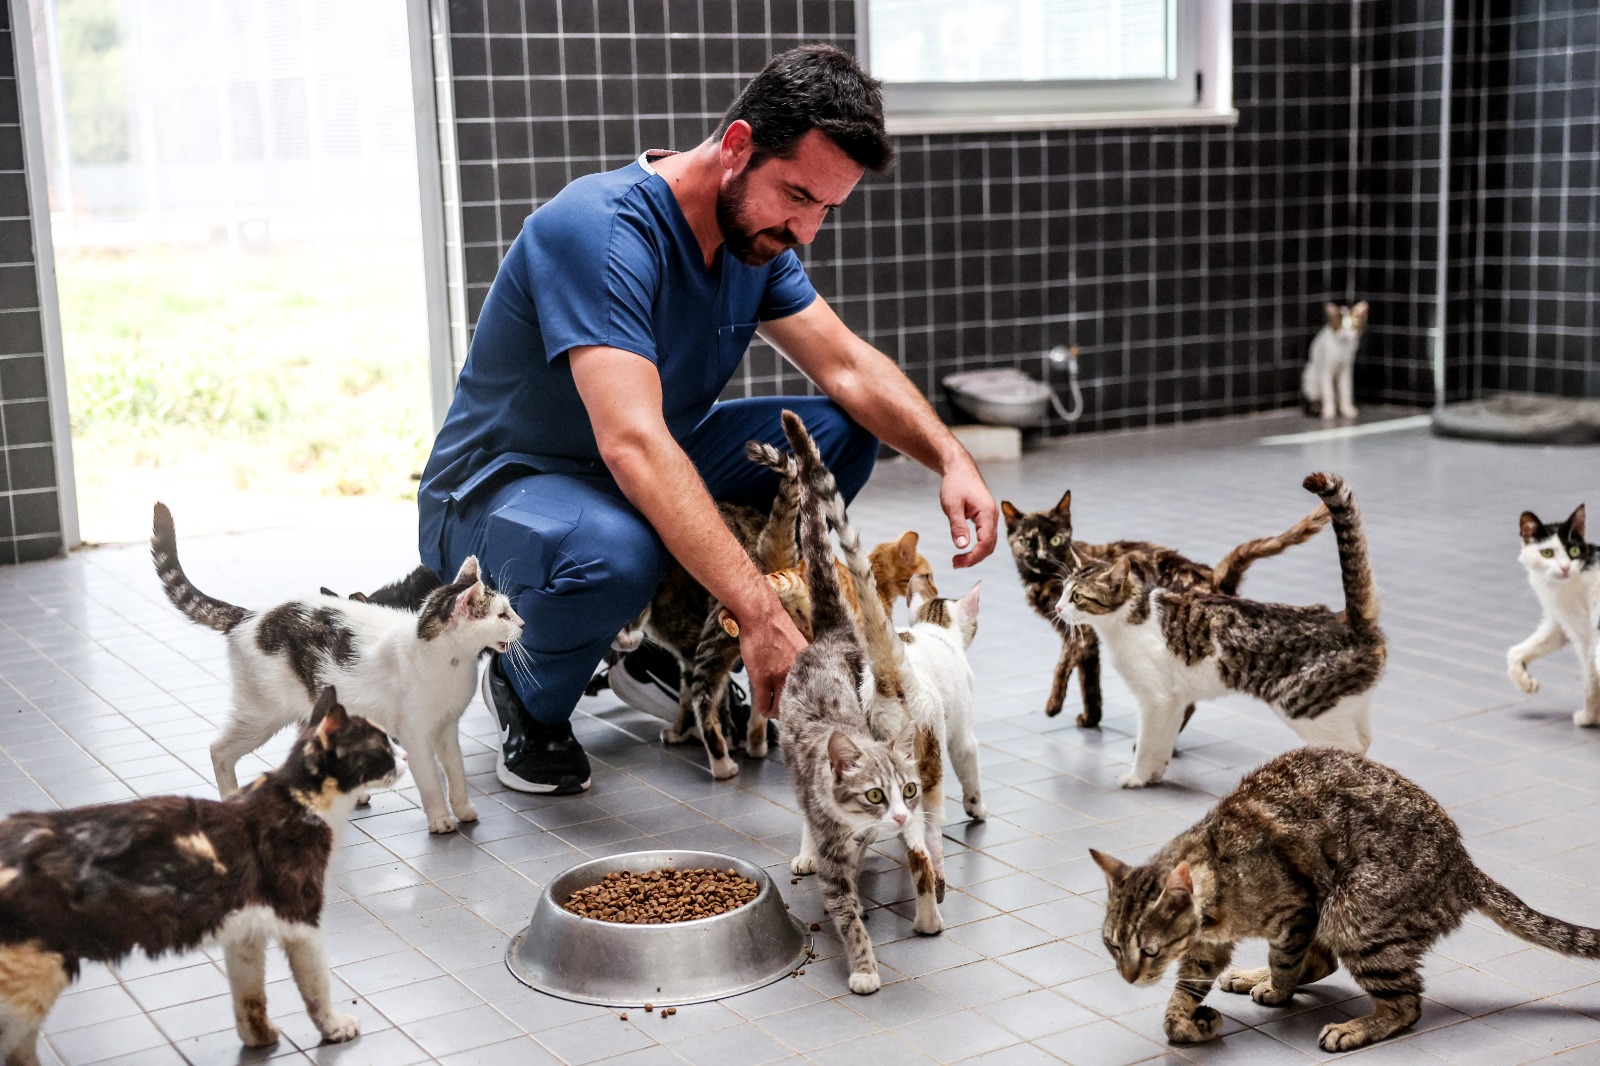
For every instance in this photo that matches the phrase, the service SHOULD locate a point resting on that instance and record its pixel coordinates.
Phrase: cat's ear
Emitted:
(842, 752)
(1072, 554)
(906, 547)
(360, 597)
(1116, 871)
(1178, 895)
(1121, 571)
(328, 716)
(468, 572)
(917, 588)
(1359, 313)
(1010, 511)
(326, 591)
(1335, 316)
(1576, 522)
(1064, 505)
(967, 606)
(1529, 525)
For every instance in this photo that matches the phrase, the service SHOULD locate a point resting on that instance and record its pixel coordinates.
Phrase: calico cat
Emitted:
(413, 673)
(1317, 669)
(849, 784)
(1333, 859)
(169, 872)
(409, 593)
(1327, 385)
(1040, 542)
(1564, 571)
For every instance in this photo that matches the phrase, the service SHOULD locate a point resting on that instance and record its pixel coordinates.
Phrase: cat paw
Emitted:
(672, 736)
(1241, 982)
(975, 808)
(723, 768)
(441, 823)
(1199, 1027)
(1268, 996)
(1520, 677)
(929, 924)
(864, 984)
(1349, 412)
(1345, 1036)
(756, 747)
(336, 1028)
(363, 798)
(803, 864)
(1133, 780)
(1585, 717)
(261, 1034)
(465, 812)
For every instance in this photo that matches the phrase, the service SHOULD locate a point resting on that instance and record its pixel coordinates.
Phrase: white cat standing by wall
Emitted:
(1327, 385)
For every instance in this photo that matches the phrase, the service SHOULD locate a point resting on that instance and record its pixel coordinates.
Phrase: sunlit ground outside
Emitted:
(248, 389)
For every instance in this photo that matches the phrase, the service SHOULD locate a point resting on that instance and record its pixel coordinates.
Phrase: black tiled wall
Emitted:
(30, 509)
(1188, 263)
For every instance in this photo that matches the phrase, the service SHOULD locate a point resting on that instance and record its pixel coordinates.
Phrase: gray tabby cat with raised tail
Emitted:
(851, 786)
(1333, 860)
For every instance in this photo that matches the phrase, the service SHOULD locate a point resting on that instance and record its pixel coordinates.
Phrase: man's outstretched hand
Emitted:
(768, 646)
(965, 498)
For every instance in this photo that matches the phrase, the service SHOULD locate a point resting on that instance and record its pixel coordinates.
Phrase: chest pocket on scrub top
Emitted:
(731, 344)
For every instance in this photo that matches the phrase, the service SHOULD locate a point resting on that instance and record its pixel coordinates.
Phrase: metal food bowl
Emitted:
(1004, 396)
(616, 965)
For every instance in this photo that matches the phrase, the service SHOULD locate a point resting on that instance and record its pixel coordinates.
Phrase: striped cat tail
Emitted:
(1508, 911)
(184, 596)
(776, 548)
(829, 615)
(1230, 571)
(1360, 594)
(882, 646)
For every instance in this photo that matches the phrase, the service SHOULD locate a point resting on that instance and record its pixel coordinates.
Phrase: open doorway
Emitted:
(234, 208)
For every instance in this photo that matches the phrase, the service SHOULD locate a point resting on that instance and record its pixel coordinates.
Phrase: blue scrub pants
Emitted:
(579, 562)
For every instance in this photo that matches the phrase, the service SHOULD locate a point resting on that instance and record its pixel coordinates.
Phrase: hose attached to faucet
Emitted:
(1062, 354)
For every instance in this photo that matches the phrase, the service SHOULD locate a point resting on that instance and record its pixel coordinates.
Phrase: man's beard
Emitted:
(737, 235)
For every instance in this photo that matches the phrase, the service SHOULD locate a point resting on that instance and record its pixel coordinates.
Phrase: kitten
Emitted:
(1327, 383)
(850, 785)
(939, 699)
(1564, 571)
(411, 673)
(1314, 667)
(1040, 542)
(1333, 859)
(168, 872)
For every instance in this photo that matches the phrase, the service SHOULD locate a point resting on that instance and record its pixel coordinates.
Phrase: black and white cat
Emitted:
(167, 873)
(1564, 571)
(1327, 386)
(413, 673)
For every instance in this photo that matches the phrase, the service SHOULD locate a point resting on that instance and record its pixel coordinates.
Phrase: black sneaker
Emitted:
(534, 757)
(647, 679)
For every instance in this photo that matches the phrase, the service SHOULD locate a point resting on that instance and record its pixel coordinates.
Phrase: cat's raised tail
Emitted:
(1360, 595)
(1507, 910)
(1230, 571)
(180, 590)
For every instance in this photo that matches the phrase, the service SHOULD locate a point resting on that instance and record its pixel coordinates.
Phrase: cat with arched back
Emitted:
(1564, 571)
(411, 672)
(1334, 860)
(851, 785)
(1327, 385)
(1041, 542)
(1315, 667)
(168, 873)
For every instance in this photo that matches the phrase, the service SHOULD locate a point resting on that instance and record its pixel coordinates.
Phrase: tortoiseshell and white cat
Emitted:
(413, 673)
(850, 785)
(170, 872)
(1564, 571)
(1315, 667)
(1327, 385)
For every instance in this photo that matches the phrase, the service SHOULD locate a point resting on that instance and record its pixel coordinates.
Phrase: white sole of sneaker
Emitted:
(643, 697)
(517, 784)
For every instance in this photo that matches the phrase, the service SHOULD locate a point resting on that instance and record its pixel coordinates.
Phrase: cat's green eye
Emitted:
(910, 791)
(1548, 553)
(1055, 541)
(874, 795)
(1151, 951)
(1574, 551)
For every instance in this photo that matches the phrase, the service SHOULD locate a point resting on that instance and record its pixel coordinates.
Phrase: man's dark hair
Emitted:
(814, 87)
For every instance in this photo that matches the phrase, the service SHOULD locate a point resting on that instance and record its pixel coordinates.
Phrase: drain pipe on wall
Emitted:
(1441, 297)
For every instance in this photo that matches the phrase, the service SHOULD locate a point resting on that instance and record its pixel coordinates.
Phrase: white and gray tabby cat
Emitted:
(1315, 667)
(1327, 386)
(1564, 571)
(851, 786)
(939, 690)
(413, 673)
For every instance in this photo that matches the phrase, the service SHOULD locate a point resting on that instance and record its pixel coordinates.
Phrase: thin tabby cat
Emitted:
(413, 673)
(170, 872)
(1564, 571)
(1040, 543)
(850, 785)
(1333, 860)
(1316, 668)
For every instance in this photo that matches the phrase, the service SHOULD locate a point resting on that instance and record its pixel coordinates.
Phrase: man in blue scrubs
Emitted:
(585, 445)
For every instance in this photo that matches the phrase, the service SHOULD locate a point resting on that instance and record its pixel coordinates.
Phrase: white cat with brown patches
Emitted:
(413, 673)
(1327, 386)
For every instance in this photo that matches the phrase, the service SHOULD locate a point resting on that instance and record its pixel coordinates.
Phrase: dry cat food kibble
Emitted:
(657, 897)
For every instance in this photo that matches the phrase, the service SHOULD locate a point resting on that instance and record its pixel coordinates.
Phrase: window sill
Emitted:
(1179, 116)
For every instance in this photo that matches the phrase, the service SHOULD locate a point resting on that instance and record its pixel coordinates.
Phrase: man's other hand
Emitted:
(965, 498)
(768, 646)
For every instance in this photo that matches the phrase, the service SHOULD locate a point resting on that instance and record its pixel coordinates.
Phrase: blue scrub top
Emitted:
(609, 261)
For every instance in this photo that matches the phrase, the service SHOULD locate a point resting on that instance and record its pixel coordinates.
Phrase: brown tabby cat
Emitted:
(1041, 542)
(168, 872)
(1333, 859)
